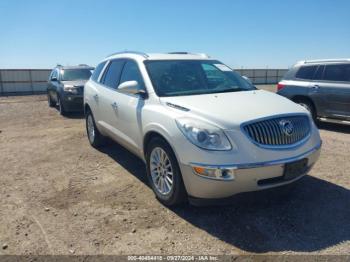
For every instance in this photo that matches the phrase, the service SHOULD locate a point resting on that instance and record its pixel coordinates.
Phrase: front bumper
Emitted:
(247, 176)
(73, 102)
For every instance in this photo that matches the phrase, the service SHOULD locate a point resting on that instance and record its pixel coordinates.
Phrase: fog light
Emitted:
(215, 172)
(227, 173)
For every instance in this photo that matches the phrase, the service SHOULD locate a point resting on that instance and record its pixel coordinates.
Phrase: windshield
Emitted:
(75, 74)
(193, 77)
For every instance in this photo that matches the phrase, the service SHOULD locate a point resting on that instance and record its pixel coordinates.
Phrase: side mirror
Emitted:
(54, 79)
(131, 87)
(248, 79)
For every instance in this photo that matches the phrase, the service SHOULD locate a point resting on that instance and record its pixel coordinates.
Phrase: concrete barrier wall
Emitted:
(34, 81)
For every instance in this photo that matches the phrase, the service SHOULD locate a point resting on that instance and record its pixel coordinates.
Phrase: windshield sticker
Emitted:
(223, 67)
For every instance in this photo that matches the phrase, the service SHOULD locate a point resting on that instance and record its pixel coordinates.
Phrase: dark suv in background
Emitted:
(322, 87)
(66, 87)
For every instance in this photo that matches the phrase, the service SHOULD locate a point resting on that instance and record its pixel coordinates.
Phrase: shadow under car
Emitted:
(308, 215)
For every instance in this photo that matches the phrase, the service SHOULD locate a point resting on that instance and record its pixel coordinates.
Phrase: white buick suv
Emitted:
(203, 131)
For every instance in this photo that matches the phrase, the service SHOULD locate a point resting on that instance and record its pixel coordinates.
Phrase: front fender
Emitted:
(171, 134)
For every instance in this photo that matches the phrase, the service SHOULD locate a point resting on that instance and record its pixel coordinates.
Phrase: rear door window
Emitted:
(337, 73)
(319, 73)
(306, 72)
(112, 76)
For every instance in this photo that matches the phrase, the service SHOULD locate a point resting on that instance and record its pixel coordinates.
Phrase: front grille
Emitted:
(280, 131)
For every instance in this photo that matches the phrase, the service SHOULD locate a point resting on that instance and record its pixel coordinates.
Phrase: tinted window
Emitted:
(75, 74)
(306, 72)
(97, 71)
(337, 72)
(192, 77)
(131, 72)
(53, 74)
(319, 73)
(112, 76)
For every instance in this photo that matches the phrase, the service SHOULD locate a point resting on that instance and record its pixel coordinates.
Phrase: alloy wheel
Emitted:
(91, 128)
(305, 106)
(161, 171)
(59, 105)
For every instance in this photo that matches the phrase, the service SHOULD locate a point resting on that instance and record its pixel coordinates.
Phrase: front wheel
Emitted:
(96, 139)
(49, 100)
(309, 107)
(164, 173)
(61, 108)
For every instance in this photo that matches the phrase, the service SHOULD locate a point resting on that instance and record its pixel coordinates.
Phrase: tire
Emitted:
(96, 139)
(309, 107)
(49, 101)
(60, 107)
(159, 173)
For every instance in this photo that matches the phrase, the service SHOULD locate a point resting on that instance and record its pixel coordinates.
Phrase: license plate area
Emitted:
(294, 169)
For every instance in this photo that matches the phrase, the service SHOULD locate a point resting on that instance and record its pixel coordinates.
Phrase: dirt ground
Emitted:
(58, 195)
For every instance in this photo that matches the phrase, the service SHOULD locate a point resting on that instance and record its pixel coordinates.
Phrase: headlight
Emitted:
(203, 135)
(70, 89)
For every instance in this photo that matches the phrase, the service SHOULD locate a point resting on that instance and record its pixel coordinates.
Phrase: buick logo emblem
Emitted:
(287, 127)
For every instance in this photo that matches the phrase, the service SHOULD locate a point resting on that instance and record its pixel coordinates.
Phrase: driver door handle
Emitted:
(114, 105)
(315, 86)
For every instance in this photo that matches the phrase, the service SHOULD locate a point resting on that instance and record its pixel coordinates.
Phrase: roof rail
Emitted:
(188, 53)
(179, 53)
(325, 60)
(129, 52)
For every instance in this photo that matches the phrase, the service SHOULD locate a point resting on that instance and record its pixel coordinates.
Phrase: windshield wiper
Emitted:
(230, 90)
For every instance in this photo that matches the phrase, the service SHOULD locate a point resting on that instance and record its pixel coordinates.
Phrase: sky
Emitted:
(240, 33)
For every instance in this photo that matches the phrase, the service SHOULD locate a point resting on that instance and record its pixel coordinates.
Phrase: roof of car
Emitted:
(160, 56)
(324, 61)
(75, 67)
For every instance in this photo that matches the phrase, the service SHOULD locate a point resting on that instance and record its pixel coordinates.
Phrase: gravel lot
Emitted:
(58, 195)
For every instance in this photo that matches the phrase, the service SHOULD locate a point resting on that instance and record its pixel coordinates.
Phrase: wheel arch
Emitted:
(156, 131)
(151, 135)
(148, 137)
(300, 98)
(87, 108)
(303, 98)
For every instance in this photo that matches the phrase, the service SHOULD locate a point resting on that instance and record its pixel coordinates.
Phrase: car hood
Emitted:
(75, 83)
(229, 110)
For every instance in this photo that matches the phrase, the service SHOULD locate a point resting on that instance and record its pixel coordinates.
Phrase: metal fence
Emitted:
(34, 81)
(23, 81)
(263, 76)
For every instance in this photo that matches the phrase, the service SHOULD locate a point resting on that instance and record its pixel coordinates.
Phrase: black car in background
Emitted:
(66, 87)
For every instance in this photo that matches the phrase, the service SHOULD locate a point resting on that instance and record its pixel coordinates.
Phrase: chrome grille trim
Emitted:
(271, 132)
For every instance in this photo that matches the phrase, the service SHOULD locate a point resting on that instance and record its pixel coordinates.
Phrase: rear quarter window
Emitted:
(306, 72)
